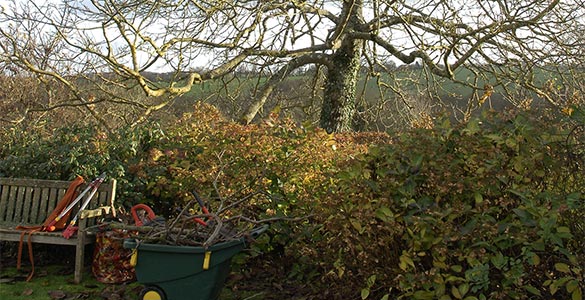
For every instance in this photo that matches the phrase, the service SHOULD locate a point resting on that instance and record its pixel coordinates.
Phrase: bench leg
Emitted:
(79, 257)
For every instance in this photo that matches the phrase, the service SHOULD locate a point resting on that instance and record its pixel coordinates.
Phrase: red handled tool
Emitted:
(203, 208)
(51, 225)
(94, 185)
(137, 219)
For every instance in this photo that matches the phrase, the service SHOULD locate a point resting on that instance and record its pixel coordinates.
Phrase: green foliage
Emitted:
(79, 150)
(491, 209)
(68, 151)
(475, 211)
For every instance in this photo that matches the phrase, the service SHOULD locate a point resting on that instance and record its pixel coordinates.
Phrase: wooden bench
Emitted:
(28, 202)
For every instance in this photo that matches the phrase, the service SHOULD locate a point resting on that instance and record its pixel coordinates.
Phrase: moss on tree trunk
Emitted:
(339, 95)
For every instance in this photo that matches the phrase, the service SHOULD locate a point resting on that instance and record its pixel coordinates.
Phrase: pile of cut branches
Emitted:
(205, 229)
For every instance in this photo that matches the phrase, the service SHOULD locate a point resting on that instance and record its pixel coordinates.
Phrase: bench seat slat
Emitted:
(44, 205)
(26, 205)
(12, 196)
(35, 205)
(19, 192)
(4, 194)
(54, 238)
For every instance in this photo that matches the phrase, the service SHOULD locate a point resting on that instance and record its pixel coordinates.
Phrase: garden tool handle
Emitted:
(150, 214)
(258, 231)
(203, 208)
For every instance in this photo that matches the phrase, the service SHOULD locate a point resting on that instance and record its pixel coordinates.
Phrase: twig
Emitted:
(255, 295)
(245, 198)
(275, 219)
(215, 233)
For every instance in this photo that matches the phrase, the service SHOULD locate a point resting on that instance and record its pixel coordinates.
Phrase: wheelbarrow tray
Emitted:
(185, 272)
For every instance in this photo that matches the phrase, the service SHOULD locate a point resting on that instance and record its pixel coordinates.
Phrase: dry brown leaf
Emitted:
(58, 294)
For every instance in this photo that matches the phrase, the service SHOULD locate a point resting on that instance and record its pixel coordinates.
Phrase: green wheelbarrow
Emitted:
(184, 272)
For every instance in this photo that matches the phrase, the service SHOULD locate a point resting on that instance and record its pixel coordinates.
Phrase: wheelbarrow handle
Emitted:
(258, 231)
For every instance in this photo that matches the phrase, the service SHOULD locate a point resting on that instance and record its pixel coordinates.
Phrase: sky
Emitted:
(399, 38)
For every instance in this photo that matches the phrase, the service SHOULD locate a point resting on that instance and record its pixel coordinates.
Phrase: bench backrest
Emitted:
(30, 201)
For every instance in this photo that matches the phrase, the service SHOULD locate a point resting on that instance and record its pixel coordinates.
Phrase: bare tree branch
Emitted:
(111, 49)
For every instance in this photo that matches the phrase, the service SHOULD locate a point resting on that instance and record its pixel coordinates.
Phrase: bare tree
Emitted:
(112, 44)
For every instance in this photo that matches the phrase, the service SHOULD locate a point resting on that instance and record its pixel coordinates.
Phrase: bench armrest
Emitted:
(97, 212)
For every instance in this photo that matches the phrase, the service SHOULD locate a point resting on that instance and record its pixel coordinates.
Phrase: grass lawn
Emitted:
(53, 278)
(56, 282)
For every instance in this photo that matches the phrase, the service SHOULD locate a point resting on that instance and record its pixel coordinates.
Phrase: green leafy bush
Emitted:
(79, 150)
(474, 211)
(62, 154)
(491, 209)
(281, 169)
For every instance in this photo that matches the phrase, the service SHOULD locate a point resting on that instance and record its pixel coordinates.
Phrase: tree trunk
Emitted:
(340, 89)
(339, 95)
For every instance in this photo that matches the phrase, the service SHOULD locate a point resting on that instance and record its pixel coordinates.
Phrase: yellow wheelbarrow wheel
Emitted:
(152, 293)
